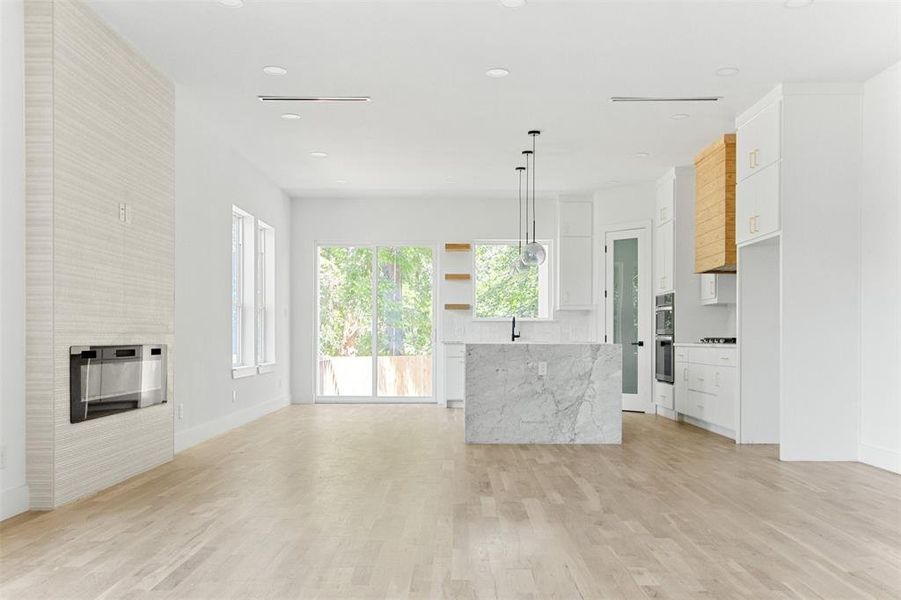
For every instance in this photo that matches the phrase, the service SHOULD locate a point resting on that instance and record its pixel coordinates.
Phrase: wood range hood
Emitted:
(715, 207)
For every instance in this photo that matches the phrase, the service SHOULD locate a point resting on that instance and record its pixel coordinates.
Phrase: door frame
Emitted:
(374, 398)
(642, 231)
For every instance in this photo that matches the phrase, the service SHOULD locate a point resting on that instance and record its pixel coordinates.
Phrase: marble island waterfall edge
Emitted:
(578, 400)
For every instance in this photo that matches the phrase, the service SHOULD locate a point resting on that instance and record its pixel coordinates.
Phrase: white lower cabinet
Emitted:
(454, 373)
(706, 385)
(663, 394)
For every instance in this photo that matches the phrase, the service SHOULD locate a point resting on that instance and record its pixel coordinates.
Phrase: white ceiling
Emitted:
(436, 123)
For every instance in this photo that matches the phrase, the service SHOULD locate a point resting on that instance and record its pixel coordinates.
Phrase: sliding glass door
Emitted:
(376, 323)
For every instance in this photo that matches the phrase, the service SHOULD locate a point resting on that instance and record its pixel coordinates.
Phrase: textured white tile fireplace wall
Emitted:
(100, 130)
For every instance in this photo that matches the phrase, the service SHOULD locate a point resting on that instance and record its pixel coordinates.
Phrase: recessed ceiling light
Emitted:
(797, 3)
(290, 116)
(613, 182)
(318, 154)
(680, 116)
(727, 72)
(641, 155)
(232, 3)
(512, 3)
(497, 72)
(274, 70)
(340, 181)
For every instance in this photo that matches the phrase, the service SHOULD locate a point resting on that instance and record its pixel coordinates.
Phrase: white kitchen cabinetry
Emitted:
(666, 201)
(717, 288)
(757, 206)
(758, 143)
(454, 374)
(664, 394)
(758, 154)
(575, 255)
(664, 248)
(664, 235)
(706, 386)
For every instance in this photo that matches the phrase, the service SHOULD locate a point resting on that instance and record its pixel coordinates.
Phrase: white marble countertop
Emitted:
(543, 393)
(699, 345)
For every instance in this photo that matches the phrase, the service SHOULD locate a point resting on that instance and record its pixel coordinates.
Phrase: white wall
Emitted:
(210, 178)
(820, 287)
(759, 343)
(427, 220)
(14, 497)
(880, 273)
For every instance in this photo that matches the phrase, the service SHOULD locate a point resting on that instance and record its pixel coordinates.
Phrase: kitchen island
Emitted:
(522, 393)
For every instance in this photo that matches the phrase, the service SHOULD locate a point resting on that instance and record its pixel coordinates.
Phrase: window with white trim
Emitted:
(242, 290)
(502, 292)
(265, 301)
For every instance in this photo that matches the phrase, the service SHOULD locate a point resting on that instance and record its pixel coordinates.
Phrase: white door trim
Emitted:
(643, 401)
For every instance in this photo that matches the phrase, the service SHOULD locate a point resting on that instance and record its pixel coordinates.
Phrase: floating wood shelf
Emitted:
(457, 307)
(457, 276)
(457, 247)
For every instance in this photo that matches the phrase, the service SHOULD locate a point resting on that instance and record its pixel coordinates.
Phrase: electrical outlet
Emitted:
(2, 457)
(181, 411)
(123, 211)
(234, 396)
(542, 369)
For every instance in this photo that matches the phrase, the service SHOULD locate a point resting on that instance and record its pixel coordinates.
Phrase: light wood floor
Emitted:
(387, 501)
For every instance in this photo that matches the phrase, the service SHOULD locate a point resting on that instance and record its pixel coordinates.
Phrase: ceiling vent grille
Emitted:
(664, 99)
(314, 98)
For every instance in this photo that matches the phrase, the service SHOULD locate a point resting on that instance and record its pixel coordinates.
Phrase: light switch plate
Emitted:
(542, 369)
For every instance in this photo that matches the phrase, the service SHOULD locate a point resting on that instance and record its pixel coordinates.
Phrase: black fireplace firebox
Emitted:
(106, 380)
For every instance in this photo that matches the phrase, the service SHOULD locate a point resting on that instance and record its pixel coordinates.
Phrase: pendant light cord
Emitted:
(527, 153)
(534, 210)
(519, 205)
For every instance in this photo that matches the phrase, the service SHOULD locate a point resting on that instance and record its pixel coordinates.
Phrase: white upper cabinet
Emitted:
(759, 163)
(757, 206)
(575, 218)
(717, 288)
(575, 262)
(575, 273)
(664, 250)
(666, 200)
(758, 141)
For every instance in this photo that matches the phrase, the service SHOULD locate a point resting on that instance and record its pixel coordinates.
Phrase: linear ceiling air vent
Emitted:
(655, 99)
(314, 98)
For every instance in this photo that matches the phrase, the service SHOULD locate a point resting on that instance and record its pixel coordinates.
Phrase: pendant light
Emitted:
(533, 254)
(517, 266)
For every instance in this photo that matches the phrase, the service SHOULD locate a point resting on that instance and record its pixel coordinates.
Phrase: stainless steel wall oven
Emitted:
(664, 306)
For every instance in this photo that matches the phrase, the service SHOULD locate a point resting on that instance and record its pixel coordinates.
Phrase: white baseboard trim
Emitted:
(201, 433)
(14, 502)
(663, 411)
(882, 458)
(709, 426)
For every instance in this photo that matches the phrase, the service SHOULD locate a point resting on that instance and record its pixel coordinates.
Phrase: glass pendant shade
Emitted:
(533, 254)
(517, 266)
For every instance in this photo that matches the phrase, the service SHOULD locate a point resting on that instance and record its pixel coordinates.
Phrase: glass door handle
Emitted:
(638, 343)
